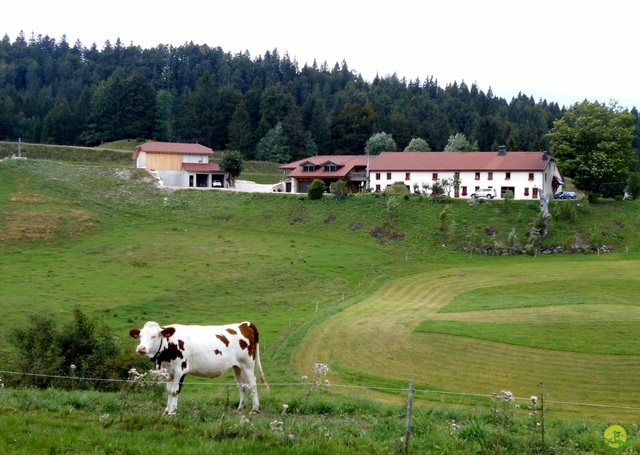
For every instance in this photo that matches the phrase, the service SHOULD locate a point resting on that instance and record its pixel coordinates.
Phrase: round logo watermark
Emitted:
(615, 436)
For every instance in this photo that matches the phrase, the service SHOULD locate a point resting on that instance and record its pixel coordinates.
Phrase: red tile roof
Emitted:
(201, 167)
(457, 161)
(174, 147)
(344, 163)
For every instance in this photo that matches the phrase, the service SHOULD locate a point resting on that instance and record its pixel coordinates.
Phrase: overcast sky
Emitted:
(560, 50)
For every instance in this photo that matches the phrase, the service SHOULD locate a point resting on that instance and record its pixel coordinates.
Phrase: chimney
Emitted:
(502, 151)
(545, 155)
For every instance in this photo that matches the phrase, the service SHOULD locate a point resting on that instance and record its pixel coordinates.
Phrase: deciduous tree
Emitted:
(232, 164)
(380, 142)
(460, 143)
(592, 144)
(417, 144)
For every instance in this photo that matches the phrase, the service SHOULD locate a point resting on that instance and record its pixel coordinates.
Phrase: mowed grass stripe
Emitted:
(570, 291)
(564, 313)
(595, 337)
(377, 337)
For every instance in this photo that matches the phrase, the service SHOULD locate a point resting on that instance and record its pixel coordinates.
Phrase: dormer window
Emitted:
(330, 168)
(309, 168)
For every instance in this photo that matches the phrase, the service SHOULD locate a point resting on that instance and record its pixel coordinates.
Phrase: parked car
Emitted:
(565, 195)
(489, 193)
(217, 183)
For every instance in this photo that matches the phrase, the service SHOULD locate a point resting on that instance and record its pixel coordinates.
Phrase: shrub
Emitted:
(85, 348)
(316, 189)
(564, 210)
(397, 189)
(339, 190)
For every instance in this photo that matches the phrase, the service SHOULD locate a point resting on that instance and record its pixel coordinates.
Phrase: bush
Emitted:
(85, 348)
(316, 189)
(339, 190)
(397, 189)
(564, 210)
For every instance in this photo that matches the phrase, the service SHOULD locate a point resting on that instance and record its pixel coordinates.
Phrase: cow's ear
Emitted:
(134, 333)
(168, 331)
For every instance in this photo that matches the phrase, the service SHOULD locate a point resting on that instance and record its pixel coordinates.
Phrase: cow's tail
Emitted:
(263, 380)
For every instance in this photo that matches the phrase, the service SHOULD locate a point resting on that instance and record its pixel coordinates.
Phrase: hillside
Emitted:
(438, 297)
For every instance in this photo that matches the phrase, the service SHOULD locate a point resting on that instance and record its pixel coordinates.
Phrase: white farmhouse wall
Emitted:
(520, 181)
(141, 160)
(195, 159)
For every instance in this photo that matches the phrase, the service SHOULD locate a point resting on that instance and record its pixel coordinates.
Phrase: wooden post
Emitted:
(407, 435)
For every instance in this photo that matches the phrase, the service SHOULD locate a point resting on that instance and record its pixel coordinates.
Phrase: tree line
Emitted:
(266, 107)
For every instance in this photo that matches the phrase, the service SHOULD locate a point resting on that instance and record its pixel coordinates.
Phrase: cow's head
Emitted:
(150, 338)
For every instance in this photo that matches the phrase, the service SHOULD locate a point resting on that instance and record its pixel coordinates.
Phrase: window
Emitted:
(309, 168)
(377, 176)
(535, 193)
(477, 176)
(507, 176)
(377, 188)
(526, 191)
(407, 176)
(434, 176)
(490, 176)
(388, 175)
(464, 190)
(330, 168)
(531, 176)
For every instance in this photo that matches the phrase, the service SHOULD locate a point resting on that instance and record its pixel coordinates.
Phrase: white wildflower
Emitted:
(161, 375)
(104, 417)
(507, 396)
(320, 368)
(534, 399)
(276, 426)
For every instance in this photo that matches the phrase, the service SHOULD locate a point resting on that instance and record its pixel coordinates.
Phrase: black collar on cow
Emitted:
(155, 357)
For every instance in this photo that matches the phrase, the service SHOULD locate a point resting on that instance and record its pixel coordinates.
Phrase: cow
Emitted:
(206, 351)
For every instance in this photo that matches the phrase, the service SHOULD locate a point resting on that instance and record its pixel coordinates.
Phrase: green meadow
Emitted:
(421, 303)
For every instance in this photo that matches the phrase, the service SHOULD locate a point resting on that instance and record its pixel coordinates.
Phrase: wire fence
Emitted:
(416, 390)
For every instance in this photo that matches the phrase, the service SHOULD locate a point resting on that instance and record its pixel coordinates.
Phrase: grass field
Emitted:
(322, 288)
(583, 353)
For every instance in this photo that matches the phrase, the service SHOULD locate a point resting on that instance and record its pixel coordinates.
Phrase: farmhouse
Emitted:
(525, 174)
(328, 168)
(180, 165)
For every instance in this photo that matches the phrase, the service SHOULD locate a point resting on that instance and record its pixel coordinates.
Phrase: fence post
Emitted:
(407, 434)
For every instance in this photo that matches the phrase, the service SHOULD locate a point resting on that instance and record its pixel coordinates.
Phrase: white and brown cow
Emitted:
(207, 351)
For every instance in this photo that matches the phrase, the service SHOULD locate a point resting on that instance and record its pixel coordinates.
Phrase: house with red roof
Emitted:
(328, 168)
(526, 175)
(180, 164)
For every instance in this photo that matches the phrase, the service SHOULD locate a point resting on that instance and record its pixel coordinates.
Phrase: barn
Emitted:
(180, 164)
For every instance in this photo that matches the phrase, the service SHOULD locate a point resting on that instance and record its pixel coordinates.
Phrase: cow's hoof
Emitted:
(254, 412)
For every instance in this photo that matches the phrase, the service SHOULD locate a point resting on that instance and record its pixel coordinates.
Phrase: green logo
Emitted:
(615, 436)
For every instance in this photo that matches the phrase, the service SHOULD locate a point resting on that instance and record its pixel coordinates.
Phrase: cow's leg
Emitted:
(173, 387)
(250, 381)
(240, 380)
